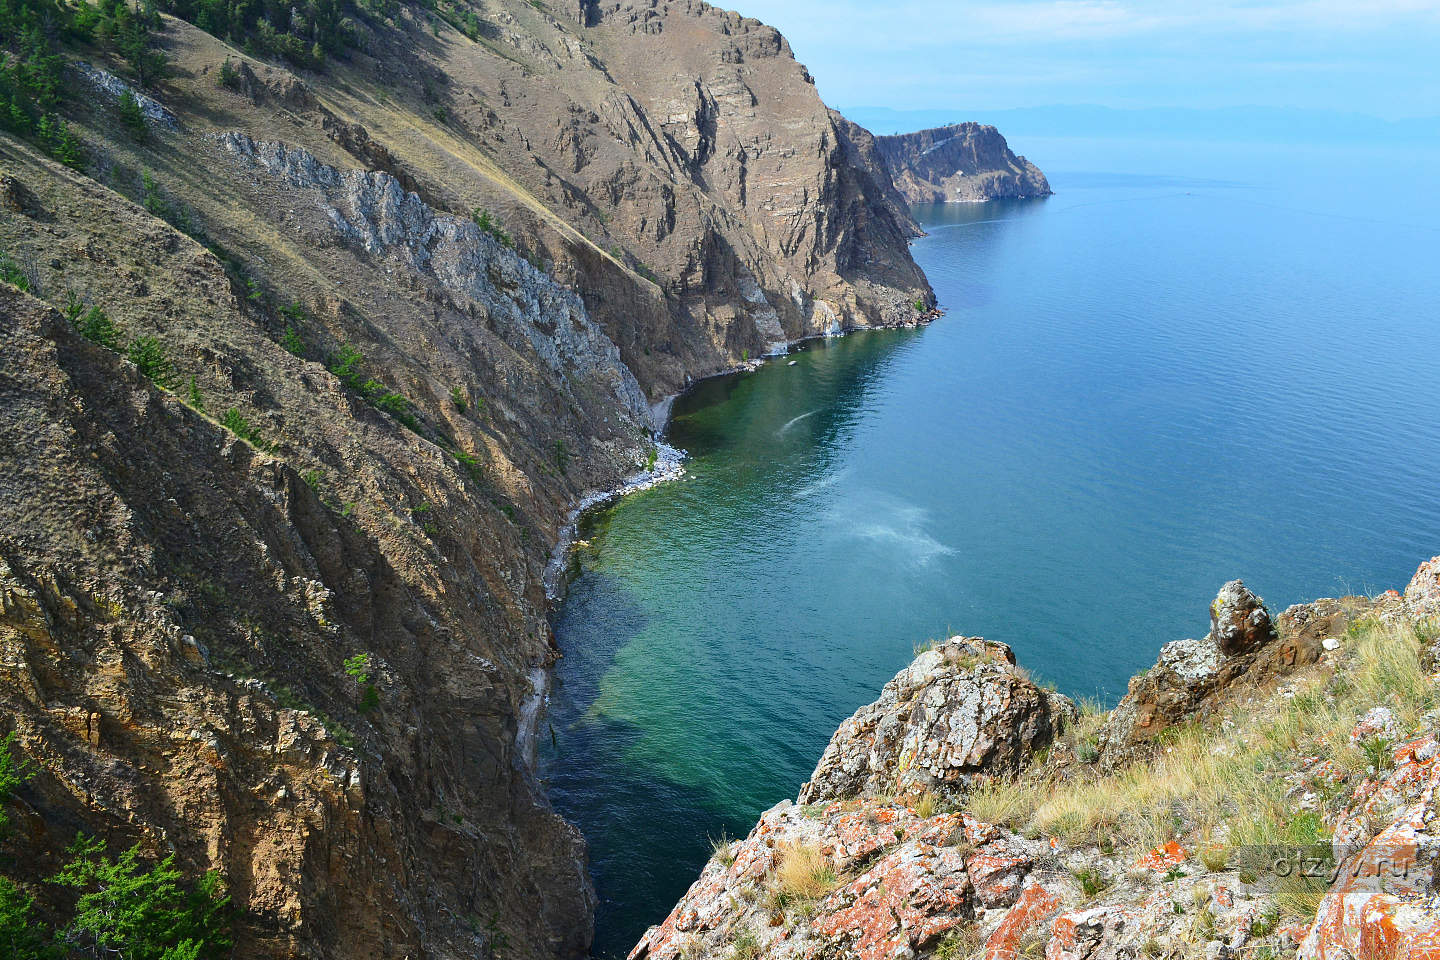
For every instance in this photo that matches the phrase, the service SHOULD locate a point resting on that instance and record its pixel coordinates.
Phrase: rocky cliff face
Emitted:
(393, 320)
(1268, 791)
(961, 163)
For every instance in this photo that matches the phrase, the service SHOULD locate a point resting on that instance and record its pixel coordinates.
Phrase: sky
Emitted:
(1377, 57)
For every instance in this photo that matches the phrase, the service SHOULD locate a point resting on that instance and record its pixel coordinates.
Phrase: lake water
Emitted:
(1191, 364)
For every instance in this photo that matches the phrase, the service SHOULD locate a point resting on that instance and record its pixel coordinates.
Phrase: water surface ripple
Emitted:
(1191, 366)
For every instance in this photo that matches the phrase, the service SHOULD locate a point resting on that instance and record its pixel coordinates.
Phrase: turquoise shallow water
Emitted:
(1191, 364)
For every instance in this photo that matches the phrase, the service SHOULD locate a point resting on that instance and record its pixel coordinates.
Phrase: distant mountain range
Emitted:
(1231, 123)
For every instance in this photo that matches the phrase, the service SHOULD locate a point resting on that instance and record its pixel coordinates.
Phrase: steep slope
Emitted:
(274, 529)
(961, 163)
(1267, 791)
(180, 603)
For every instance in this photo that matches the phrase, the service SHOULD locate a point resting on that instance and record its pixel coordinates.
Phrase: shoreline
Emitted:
(669, 466)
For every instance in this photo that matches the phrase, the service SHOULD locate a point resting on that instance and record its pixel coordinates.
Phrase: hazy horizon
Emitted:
(1369, 58)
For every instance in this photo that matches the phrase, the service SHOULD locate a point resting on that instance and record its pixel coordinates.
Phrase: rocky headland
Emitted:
(961, 163)
(1269, 790)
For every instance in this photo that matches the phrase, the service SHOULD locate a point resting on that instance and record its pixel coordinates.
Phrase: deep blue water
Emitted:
(1192, 363)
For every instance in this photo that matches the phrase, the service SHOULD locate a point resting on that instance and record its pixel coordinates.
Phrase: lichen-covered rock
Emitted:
(1189, 674)
(900, 883)
(1239, 621)
(1422, 595)
(958, 711)
(915, 878)
(1386, 899)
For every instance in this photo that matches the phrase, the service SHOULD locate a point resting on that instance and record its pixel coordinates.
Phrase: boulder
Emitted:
(959, 711)
(1239, 622)
(1422, 596)
(1189, 674)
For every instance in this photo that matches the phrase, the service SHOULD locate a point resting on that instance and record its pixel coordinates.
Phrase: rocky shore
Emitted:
(1267, 791)
(961, 163)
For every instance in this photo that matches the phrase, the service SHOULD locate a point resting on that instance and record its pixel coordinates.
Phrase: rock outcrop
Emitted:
(877, 863)
(1386, 898)
(959, 711)
(960, 714)
(1244, 648)
(1238, 620)
(961, 163)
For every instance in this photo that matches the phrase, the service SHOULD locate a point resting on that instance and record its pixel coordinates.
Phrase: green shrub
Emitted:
(150, 197)
(291, 341)
(148, 354)
(95, 326)
(55, 136)
(12, 773)
(490, 225)
(229, 76)
(238, 425)
(131, 113)
(358, 668)
(11, 273)
(193, 398)
(345, 365)
(130, 910)
(22, 936)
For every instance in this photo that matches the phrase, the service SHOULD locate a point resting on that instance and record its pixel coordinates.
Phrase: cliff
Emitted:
(305, 362)
(1269, 790)
(961, 163)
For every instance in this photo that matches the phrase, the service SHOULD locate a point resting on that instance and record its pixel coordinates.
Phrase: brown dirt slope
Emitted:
(378, 416)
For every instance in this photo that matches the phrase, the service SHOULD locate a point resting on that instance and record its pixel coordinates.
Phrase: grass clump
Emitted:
(804, 874)
(12, 273)
(746, 946)
(1228, 778)
(1092, 882)
(722, 849)
(958, 943)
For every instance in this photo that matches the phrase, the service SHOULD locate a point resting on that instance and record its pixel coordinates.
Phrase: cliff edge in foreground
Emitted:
(1266, 791)
(961, 163)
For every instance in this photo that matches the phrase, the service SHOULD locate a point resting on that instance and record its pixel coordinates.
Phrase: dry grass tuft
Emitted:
(804, 873)
(1226, 778)
(722, 849)
(1004, 802)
